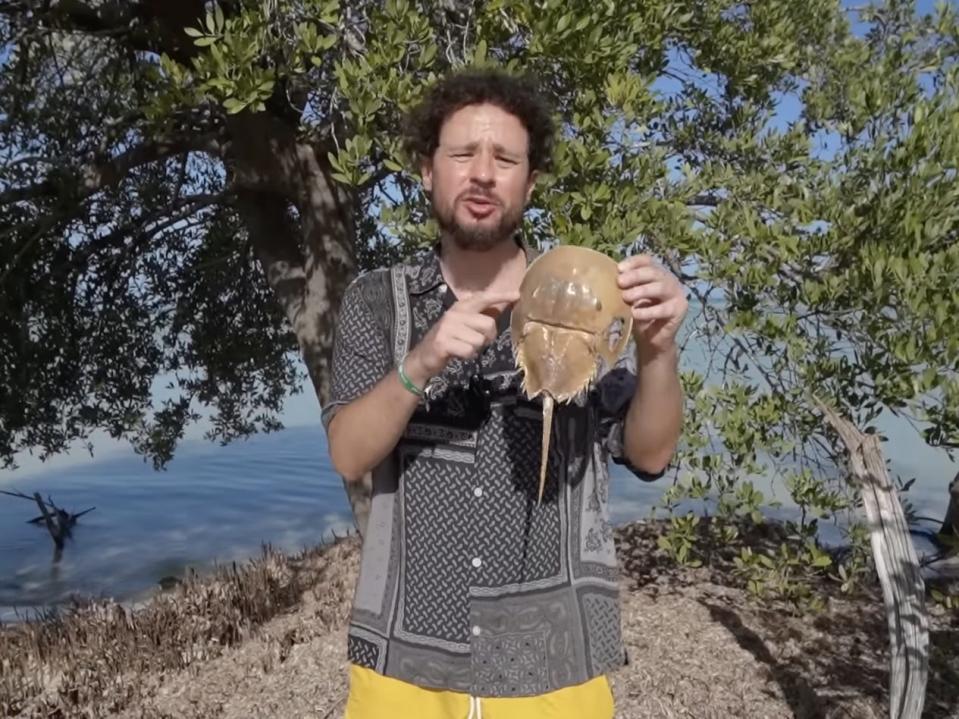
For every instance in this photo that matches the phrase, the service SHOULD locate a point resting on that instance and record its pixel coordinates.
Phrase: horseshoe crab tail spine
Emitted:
(547, 432)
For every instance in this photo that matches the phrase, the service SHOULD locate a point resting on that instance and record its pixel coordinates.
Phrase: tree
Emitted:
(187, 190)
(172, 203)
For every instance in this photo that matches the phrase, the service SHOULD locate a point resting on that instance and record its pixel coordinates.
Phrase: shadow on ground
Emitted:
(841, 669)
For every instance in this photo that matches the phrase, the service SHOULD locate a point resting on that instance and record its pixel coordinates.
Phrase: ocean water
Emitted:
(211, 505)
(218, 504)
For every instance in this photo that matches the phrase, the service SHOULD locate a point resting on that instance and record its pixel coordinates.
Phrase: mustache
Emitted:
(475, 194)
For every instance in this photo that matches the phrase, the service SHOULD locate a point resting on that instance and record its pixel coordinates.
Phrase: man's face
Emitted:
(479, 176)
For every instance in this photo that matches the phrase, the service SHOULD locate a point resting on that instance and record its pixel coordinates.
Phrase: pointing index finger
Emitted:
(490, 302)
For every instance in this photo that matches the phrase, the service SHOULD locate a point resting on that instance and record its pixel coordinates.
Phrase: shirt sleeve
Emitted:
(361, 348)
(615, 391)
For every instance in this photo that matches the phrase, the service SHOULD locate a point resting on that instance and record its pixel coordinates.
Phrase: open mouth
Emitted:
(479, 206)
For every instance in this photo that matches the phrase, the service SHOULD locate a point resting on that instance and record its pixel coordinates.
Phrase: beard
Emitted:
(478, 238)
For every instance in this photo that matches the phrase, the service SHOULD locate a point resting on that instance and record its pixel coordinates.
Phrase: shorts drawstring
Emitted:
(476, 709)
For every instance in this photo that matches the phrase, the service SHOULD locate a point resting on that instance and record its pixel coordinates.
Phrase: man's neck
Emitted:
(468, 271)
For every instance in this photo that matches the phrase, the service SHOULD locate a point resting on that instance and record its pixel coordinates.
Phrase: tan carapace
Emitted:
(570, 314)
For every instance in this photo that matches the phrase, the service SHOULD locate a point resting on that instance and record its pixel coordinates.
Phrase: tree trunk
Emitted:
(310, 259)
(328, 226)
(897, 565)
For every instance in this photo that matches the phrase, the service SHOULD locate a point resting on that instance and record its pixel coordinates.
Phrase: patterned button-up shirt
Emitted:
(466, 582)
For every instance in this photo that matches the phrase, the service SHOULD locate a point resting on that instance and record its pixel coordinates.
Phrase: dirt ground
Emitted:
(698, 647)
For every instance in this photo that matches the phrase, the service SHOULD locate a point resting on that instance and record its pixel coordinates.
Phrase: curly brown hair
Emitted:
(516, 94)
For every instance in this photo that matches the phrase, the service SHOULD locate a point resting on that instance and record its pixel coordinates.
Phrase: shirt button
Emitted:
(476, 630)
(478, 492)
(477, 562)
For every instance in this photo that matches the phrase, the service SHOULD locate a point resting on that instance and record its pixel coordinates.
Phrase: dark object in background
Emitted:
(59, 522)
(950, 525)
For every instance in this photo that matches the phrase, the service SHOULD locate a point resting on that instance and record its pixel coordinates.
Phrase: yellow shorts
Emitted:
(374, 696)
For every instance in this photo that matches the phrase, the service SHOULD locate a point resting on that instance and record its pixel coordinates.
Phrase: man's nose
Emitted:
(482, 168)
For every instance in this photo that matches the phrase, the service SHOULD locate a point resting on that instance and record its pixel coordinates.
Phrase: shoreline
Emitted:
(268, 639)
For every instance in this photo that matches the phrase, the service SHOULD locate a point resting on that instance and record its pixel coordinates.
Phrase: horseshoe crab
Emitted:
(569, 315)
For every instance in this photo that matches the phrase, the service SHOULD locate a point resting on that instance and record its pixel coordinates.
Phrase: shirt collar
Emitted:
(423, 271)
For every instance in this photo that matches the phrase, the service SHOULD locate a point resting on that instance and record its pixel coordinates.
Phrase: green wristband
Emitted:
(406, 381)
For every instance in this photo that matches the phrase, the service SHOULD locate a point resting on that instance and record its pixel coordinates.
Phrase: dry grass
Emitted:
(702, 647)
(268, 640)
(92, 659)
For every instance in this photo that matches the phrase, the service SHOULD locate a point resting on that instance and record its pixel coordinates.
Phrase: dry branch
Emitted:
(58, 521)
(897, 565)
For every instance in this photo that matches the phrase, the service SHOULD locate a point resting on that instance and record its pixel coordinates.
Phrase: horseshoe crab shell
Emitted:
(570, 314)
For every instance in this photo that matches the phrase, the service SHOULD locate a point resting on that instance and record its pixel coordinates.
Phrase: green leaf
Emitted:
(233, 106)
(479, 53)
(192, 32)
(334, 162)
(326, 42)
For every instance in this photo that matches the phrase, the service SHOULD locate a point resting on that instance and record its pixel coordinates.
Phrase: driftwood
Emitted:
(897, 565)
(58, 521)
(64, 516)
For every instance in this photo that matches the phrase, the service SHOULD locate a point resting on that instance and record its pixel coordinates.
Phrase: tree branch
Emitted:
(186, 206)
(154, 26)
(95, 177)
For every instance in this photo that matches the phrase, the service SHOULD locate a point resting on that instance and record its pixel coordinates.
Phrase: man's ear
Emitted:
(531, 184)
(426, 172)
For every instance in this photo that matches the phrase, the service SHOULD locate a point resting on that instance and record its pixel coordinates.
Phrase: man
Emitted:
(473, 598)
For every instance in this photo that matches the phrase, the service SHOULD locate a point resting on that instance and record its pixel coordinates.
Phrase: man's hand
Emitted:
(367, 429)
(463, 331)
(658, 301)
